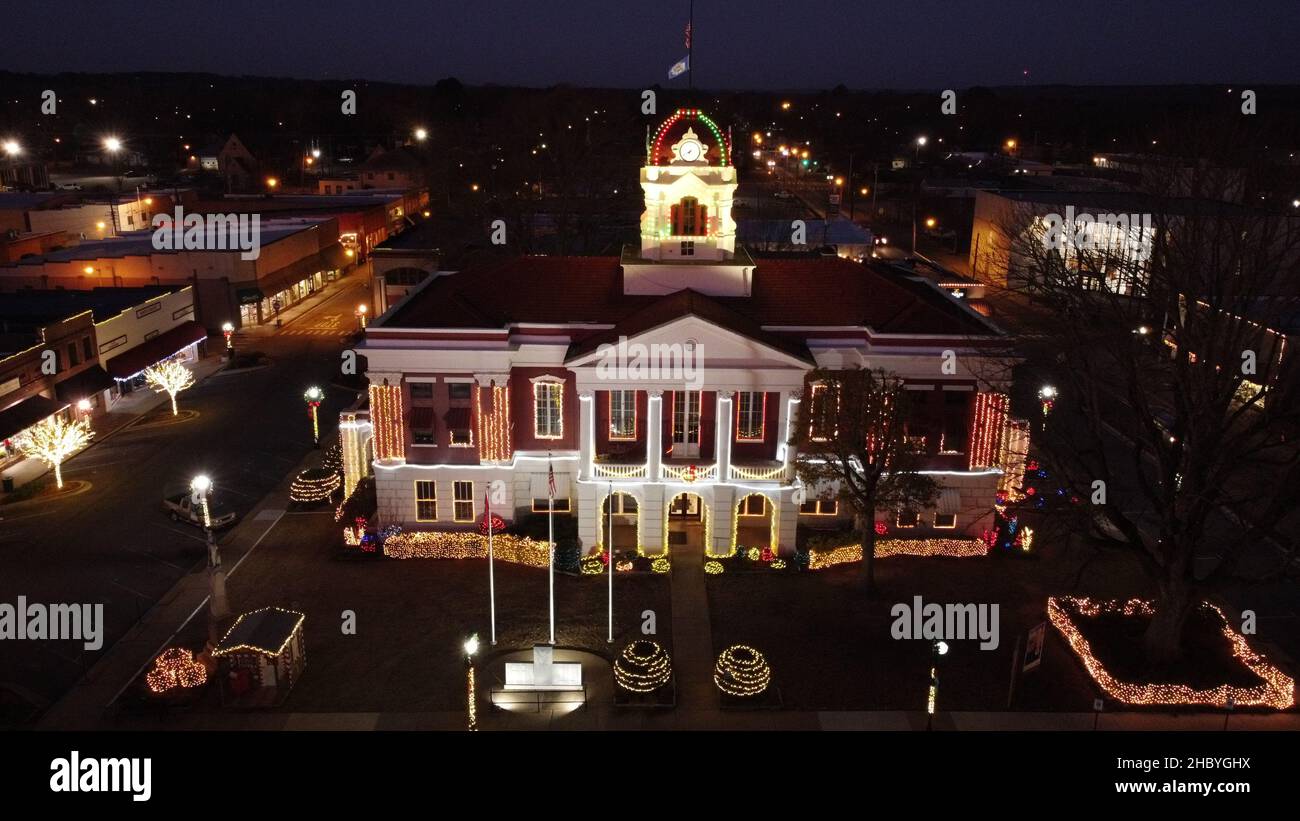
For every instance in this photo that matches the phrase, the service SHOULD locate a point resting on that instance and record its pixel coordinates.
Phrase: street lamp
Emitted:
(228, 328)
(930, 222)
(272, 182)
(1047, 395)
(471, 694)
(361, 315)
(200, 486)
(314, 395)
(939, 648)
(84, 407)
(112, 145)
(421, 135)
(920, 143)
(12, 148)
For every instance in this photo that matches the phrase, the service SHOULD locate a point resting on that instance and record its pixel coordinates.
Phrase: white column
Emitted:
(722, 437)
(586, 433)
(788, 415)
(654, 434)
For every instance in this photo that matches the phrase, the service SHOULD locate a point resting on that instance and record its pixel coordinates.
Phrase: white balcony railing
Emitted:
(689, 473)
(765, 474)
(619, 471)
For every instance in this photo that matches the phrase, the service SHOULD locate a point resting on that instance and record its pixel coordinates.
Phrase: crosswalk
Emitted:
(312, 332)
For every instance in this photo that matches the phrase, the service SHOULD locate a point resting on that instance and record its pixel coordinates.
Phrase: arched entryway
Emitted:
(756, 523)
(686, 522)
(626, 522)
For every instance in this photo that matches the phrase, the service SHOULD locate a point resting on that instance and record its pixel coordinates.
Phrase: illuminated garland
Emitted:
(778, 564)
(314, 485)
(742, 671)
(724, 147)
(819, 559)
(386, 417)
(353, 428)
(987, 427)
(661, 565)
(175, 668)
(642, 667)
(713, 568)
(1277, 691)
(463, 544)
(494, 427)
(333, 458)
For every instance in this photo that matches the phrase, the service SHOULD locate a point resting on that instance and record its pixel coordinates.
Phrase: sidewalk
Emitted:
(124, 411)
(296, 311)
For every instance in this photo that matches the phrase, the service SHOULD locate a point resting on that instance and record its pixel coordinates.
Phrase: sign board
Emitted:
(544, 673)
(1034, 646)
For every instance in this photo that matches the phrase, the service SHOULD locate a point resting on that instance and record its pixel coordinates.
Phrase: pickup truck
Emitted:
(182, 509)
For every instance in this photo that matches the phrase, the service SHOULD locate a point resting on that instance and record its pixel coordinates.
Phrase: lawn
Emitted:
(413, 615)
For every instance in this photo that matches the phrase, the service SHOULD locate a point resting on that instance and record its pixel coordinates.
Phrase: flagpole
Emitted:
(492, 585)
(690, 46)
(550, 537)
(611, 564)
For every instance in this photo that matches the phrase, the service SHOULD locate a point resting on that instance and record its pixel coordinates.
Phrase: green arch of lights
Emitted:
(656, 145)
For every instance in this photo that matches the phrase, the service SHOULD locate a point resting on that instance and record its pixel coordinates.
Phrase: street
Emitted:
(252, 427)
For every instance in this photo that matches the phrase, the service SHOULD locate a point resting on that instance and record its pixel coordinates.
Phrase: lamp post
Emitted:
(218, 608)
(314, 395)
(362, 310)
(939, 648)
(228, 328)
(471, 703)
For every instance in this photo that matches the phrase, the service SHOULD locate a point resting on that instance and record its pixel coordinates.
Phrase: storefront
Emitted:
(18, 418)
(185, 342)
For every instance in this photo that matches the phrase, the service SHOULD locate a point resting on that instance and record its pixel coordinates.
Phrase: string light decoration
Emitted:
(723, 144)
(661, 565)
(354, 432)
(494, 427)
(498, 525)
(314, 485)
(52, 441)
(987, 427)
(643, 667)
(169, 377)
(175, 669)
(624, 567)
(463, 544)
(1277, 691)
(386, 418)
(333, 458)
(713, 568)
(778, 564)
(742, 671)
(819, 559)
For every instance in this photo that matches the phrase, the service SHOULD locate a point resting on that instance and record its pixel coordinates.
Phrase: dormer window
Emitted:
(689, 218)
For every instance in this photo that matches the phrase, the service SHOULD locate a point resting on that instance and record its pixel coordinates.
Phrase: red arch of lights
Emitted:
(656, 145)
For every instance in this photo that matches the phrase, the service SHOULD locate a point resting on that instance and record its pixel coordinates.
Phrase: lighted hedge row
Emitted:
(428, 544)
(821, 558)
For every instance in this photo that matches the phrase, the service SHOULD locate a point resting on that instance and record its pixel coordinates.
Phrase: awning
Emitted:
(249, 296)
(458, 418)
(422, 417)
(284, 278)
(949, 502)
(26, 413)
(84, 385)
(153, 351)
(540, 491)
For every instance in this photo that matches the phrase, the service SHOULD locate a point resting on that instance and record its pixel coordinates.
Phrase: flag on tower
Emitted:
(679, 68)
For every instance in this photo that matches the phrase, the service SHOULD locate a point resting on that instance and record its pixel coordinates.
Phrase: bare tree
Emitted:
(1175, 412)
(852, 435)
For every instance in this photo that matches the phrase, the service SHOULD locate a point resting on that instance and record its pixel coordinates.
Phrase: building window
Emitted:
(561, 505)
(622, 415)
(74, 356)
(755, 504)
(688, 248)
(423, 430)
(548, 410)
(819, 429)
(820, 507)
(460, 427)
(459, 390)
(945, 521)
(422, 390)
(426, 501)
(688, 218)
(624, 504)
(907, 518)
(463, 501)
(751, 416)
(87, 349)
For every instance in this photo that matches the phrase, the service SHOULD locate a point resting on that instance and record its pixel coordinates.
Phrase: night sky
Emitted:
(792, 44)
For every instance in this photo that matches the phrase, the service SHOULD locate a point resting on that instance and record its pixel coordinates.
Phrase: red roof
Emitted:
(809, 291)
(153, 351)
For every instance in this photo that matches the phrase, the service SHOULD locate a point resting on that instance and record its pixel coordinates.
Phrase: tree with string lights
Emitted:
(170, 377)
(53, 441)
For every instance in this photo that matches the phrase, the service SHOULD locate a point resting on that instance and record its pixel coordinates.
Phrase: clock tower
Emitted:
(689, 183)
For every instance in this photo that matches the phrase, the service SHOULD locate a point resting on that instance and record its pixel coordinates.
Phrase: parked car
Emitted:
(182, 509)
(782, 194)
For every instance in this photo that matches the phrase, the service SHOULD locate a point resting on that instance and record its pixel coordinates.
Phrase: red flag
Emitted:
(688, 35)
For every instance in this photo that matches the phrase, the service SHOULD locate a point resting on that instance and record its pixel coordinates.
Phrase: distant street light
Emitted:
(930, 222)
(314, 395)
(83, 406)
(361, 315)
(272, 182)
(228, 328)
(12, 148)
(421, 135)
(112, 145)
(315, 153)
(200, 486)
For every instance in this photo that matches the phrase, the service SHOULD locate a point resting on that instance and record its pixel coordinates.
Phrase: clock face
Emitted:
(690, 151)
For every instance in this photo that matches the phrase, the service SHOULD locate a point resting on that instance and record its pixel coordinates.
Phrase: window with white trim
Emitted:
(463, 501)
(548, 409)
(751, 416)
(945, 521)
(426, 501)
(820, 507)
(755, 504)
(622, 415)
(907, 518)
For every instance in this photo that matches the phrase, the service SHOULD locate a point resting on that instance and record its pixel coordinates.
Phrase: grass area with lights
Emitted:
(42, 489)
(1217, 664)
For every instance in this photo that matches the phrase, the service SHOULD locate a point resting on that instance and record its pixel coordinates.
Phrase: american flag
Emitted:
(487, 510)
(550, 476)
(688, 35)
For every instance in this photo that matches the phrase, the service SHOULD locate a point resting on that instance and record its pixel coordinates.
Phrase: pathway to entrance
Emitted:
(692, 634)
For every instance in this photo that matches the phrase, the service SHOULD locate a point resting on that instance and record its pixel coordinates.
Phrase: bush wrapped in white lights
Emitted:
(314, 485)
(742, 672)
(643, 667)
